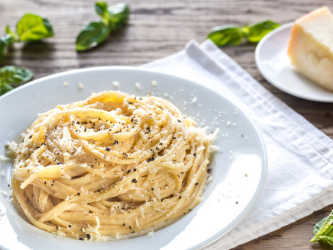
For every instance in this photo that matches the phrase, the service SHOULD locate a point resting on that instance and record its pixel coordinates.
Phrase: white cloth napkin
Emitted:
(300, 157)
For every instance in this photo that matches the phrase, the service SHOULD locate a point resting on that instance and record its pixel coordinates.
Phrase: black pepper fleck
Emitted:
(151, 159)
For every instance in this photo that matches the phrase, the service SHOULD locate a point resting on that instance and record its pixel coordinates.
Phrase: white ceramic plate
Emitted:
(274, 64)
(237, 177)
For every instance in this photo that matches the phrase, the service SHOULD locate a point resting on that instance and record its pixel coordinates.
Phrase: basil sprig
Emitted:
(30, 28)
(323, 230)
(233, 35)
(6, 40)
(11, 75)
(113, 18)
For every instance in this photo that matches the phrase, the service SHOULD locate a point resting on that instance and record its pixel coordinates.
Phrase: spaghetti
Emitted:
(111, 165)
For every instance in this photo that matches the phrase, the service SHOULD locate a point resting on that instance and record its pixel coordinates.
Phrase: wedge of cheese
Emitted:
(311, 46)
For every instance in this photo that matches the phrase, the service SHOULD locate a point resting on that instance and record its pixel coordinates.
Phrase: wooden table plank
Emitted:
(157, 29)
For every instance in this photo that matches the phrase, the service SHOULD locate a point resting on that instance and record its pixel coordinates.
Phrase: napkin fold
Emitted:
(300, 157)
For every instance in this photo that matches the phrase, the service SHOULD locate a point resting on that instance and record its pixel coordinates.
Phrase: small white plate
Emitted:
(274, 64)
(239, 166)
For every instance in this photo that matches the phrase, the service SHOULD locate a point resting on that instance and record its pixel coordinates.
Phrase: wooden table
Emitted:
(157, 29)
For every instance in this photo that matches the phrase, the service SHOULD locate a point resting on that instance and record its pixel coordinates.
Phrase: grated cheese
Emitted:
(150, 234)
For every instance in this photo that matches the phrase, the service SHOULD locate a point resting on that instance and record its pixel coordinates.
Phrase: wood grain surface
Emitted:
(157, 29)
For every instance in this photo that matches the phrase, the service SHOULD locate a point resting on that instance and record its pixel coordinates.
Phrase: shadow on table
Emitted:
(34, 52)
(111, 44)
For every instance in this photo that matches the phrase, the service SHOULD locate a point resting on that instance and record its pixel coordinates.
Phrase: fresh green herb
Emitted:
(234, 35)
(10, 32)
(323, 230)
(226, 35)
(11, 75)
(319, 225)
(257, 31)
(6, 40)
(94, 33)
(101, 9)
(30, 28)
(119, 14)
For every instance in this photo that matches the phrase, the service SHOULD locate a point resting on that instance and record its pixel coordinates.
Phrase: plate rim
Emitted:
(274, 82)
(245, 212)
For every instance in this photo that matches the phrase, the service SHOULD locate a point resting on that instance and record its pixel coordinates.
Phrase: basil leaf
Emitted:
(257, 31)
(102, 10)
(94, 33)
(119, 14)
(4, 42)
(226, 35)
(31, 28)
(325, 232)
(4, 88)
(318, 226)
(13, 75)
(8, 39)
(10, 32)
